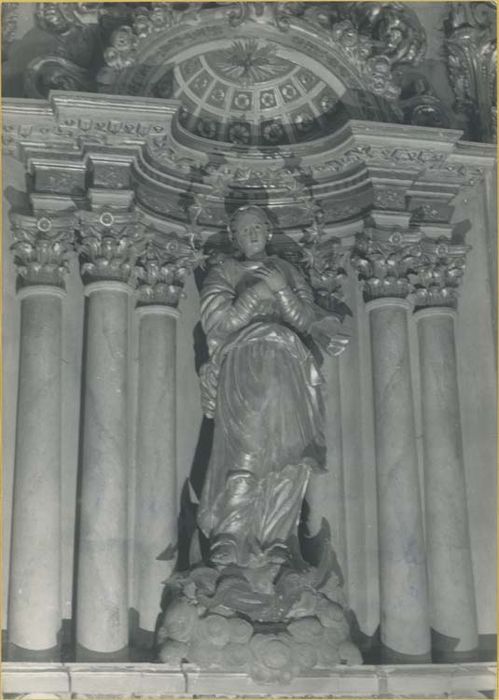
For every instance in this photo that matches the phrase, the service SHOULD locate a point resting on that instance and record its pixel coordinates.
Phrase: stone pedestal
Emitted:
(405, 627)
(452, 598)
(156, 514)
(102, 591)
(34, 617)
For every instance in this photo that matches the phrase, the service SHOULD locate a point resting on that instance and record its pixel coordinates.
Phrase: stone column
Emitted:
(107, 254)
(161, 270)
(452, 595)
(383, 260)
(41, 246)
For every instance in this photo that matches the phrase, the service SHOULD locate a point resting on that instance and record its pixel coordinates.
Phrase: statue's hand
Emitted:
(262, 290)
(272, 277)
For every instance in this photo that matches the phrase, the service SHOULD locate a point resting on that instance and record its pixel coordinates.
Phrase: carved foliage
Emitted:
(439, 272)
(471, 63)
(108, 244)
(75, 30)
(162, 267)
(384, 262)
(42, 247)
(324, 262)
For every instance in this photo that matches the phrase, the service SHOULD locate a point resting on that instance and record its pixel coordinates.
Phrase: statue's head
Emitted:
(251, 230)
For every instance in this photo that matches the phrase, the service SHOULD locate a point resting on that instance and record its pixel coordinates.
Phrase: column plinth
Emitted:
(452, 596)
(156, 514)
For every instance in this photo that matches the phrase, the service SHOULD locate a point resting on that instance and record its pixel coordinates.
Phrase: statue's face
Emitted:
(250, 232)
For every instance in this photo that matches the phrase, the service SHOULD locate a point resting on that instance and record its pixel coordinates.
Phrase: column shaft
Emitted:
(403, 587)
(156, 516)
(102, 593)
(34, 619)
(452, 598)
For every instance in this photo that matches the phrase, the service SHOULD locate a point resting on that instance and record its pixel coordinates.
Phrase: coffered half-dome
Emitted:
(248, 91)
(250, 76)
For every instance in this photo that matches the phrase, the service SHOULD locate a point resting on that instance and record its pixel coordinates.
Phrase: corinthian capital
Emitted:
(42, 246)
(385, 261)
(439, 272)
(164, 262)
(108, 244)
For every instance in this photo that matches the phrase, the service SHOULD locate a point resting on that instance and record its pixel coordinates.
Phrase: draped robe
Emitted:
(262, 387)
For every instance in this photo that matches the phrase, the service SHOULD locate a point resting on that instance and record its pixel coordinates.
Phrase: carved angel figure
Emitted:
(262, 386)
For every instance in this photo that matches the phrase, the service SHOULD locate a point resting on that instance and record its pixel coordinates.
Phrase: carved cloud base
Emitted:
(272, 628)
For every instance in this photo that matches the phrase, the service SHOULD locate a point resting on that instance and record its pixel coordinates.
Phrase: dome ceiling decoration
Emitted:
(247, 93)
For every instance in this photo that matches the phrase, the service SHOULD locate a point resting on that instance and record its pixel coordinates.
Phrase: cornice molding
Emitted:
(75, 141)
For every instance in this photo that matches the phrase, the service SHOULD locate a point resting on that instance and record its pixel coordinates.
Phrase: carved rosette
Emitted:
(108, 244)
(385, 261)
(438, 273)
(42, 247)
(162, 267)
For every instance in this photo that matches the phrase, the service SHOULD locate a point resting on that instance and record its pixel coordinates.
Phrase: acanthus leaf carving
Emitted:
(108, 244)
(162, 266)
(325, 265)
(385, 261)
(472, 65)
(42, 247)
(439, 272)
(55, 73)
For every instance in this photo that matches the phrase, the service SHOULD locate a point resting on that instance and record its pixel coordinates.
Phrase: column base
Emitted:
(444, 650)
(390, 656)
(85, 655)
(17, 653)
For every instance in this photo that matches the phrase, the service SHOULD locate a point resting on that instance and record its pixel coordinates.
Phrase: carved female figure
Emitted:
(262, 386)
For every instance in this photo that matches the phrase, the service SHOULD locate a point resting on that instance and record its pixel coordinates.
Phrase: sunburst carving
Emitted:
(247, 62)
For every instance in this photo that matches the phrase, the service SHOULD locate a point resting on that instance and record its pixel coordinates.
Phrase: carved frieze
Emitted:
(105, 131)
(42, 246)
(389, 198)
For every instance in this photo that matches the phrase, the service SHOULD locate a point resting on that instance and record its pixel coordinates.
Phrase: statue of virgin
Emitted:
(262, 386)
(256, 606)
